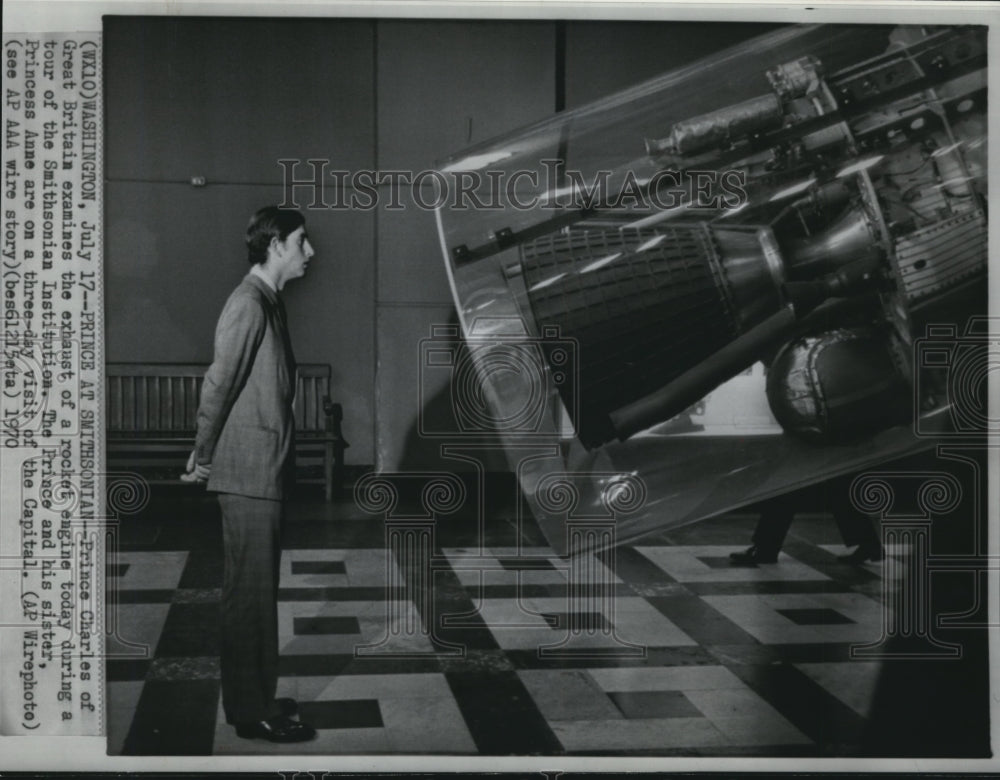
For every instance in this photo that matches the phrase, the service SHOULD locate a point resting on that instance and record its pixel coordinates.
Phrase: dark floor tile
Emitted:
(332, 665)
(311, 524)
(826, 562)
(633, 567)
(467, 630)
(815, 617)
(799, 653)
(834, 726)
(584, 621)
(532, 591)
(716, 561)
(933, 707)
(345, 714)
(727, 751)
(318, 625)
(747, 587)
(526, 563)
(701, 622)
(137, 596)
(313, 665)
(137, 534)
(184, 668)
(197, 595)
(477, 661)
(127, 669)
(174, 718)
(638, 705)
(456, 617)
(318, 567)
(734, 529)
(340, 594)
(501, 715)
(203, 570)
(655, 656)
(185, 519)
(190, 630)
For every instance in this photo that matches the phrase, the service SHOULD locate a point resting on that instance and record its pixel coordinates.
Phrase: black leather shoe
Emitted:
(279, 729)
(861, 555)
(288, 706)
(751, 557)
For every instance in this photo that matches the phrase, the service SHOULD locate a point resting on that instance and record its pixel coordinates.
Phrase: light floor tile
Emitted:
(377, 620)
(759, 731)
(138, 629)
(898, 551)
(665, 678)
(853, 682)
(738, 714)
(362, 568)
(475, 568)
(519, 624)
(365, 686)
(426, 725)
(568, 694)
(731, 703)
(121, 702)
(651, 734)
(683, 564)
(758, 615)
(148, 570)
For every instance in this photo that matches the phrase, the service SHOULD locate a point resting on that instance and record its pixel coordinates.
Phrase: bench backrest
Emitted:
(163, 397)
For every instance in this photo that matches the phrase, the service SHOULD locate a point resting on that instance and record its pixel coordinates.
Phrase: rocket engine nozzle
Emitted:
(663, 315)
(851, 238)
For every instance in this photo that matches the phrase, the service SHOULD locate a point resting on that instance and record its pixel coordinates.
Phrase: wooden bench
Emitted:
(151, 413)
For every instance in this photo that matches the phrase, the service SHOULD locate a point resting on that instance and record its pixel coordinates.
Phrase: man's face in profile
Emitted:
(294, 254)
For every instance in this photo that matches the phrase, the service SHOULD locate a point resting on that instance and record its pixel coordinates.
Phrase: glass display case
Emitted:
(757, 272)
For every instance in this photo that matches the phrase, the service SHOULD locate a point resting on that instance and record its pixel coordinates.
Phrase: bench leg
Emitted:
(328, 470)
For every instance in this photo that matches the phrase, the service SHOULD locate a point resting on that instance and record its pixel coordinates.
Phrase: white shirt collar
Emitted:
(257, 271)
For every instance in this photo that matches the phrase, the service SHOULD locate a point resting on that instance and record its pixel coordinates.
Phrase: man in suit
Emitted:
(242, 450)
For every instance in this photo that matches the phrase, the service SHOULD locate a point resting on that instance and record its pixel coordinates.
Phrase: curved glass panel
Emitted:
(725, 283)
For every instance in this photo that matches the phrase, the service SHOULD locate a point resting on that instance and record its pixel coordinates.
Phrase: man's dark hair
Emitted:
(270, 222)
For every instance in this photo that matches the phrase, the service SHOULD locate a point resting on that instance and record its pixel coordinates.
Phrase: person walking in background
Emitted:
(776, 514)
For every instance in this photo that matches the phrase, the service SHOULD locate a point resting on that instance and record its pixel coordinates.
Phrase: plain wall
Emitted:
(225, 99)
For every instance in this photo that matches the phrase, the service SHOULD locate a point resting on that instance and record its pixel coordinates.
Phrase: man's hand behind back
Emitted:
(196, 472)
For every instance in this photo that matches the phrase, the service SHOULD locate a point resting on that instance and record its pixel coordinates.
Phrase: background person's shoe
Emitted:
(751, 557)
(279, 729)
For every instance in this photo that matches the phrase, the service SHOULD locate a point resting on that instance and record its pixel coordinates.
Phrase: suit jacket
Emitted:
(245, 419)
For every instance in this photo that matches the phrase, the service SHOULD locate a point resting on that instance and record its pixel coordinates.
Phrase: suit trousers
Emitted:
(855, 527)
(251, 529)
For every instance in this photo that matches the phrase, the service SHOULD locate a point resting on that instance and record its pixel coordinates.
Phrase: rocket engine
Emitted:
(864, 215)
(813, 201)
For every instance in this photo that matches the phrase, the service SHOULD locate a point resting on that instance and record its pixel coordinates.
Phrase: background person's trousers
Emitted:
(251, 530)
(856, 528)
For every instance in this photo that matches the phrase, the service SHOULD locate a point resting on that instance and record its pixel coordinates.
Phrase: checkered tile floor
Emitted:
(684, 654)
